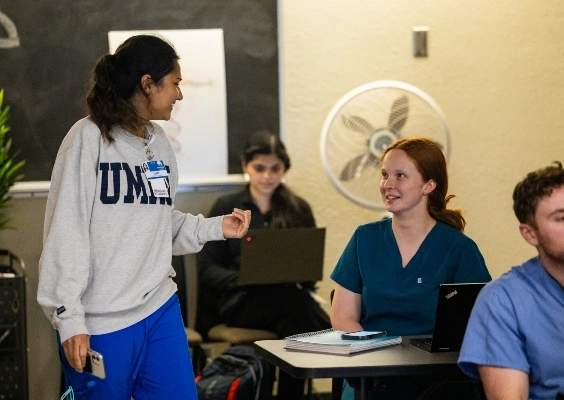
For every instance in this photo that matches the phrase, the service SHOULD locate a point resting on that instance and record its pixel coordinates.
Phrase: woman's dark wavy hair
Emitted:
(117, 77)
(431, 164)
(287, 209)
(533, 188)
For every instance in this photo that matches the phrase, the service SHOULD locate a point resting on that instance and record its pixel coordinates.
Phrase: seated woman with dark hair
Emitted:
(285, 309)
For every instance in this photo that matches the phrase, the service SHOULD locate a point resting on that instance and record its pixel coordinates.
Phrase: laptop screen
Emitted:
(453, 311)
(282, 255)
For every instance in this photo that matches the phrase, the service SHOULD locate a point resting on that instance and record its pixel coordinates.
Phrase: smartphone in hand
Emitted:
(363, 335)
(95, 364)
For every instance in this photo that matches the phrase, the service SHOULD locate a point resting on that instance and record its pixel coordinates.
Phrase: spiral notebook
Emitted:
(329, 341)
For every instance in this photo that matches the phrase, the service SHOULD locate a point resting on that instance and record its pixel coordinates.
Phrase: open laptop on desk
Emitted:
(271, 256)
(453, 311)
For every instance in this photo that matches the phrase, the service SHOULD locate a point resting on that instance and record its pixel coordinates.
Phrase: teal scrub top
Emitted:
(403, 301)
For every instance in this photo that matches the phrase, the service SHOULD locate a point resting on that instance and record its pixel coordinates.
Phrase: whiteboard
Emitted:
(197, 129)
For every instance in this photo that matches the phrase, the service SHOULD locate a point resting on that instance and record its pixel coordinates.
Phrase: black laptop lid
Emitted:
(282, 255)
(453, 311)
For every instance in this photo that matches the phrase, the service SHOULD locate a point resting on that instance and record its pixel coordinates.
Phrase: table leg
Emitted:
(337, 388)
(361, 392)
(360, 387)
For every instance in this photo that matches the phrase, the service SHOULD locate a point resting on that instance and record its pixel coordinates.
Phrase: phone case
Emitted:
(95, 364)
(362, 335)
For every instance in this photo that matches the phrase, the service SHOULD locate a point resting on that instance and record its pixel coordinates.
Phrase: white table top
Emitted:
(395, 360)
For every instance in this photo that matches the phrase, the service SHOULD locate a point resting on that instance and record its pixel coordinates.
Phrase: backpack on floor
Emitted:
(237, 374)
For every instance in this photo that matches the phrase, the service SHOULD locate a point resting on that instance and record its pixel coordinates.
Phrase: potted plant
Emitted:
(10, 169)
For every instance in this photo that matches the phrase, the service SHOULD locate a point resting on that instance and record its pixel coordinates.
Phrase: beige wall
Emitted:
(495, 68)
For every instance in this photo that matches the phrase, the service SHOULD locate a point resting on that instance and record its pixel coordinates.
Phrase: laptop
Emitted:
(270, 256)
(453, 311)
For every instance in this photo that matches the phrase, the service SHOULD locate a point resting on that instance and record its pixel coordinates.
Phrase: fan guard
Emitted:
(367, 120)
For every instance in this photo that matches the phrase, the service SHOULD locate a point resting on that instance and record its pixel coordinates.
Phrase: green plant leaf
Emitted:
(10, 168)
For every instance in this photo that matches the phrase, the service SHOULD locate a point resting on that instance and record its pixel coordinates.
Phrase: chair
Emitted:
(199, 357)
(238, 336)
(336, 383)
(244, 336)
(186, 279)
(195, 339)
(208, 320)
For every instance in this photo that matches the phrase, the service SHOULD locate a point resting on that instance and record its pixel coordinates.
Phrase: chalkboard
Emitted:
(45, 78)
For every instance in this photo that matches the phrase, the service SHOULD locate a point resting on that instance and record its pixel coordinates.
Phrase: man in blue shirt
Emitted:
(515, 337)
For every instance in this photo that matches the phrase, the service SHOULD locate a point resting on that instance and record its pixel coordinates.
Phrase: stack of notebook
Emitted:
(330, 341)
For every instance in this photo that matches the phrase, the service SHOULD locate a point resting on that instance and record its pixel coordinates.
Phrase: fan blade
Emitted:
(357, 124)
(350, 169)
(355, 166)
(398, 114)
(372, 161)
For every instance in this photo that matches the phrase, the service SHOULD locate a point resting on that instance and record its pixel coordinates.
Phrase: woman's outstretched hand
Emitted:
(236, 224)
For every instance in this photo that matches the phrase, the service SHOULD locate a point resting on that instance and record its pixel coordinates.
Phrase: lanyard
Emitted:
(149, 152)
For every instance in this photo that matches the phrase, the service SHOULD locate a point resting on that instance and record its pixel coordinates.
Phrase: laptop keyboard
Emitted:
(423, 343)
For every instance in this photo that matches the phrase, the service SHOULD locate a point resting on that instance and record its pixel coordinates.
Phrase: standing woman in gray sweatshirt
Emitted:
(111, 228)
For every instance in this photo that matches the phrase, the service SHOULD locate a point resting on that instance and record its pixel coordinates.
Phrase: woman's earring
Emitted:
(247, 177)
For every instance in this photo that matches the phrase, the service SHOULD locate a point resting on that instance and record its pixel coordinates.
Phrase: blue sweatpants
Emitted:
(147, 361)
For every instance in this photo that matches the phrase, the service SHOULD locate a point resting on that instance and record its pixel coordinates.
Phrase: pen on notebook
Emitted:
(7, 275)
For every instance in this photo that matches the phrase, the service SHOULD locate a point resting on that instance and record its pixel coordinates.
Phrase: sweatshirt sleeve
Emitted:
(217, 266)
(65, 260)
(191, 232)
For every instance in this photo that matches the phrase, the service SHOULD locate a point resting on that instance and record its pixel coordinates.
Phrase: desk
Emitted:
(398, 360)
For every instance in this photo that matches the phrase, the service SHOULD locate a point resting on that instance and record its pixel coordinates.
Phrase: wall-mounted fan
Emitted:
(363, 123)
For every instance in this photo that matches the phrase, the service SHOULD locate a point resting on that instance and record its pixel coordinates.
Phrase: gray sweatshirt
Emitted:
(107, 245)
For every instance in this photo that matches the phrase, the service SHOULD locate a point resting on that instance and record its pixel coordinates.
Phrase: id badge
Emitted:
(156, 174)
